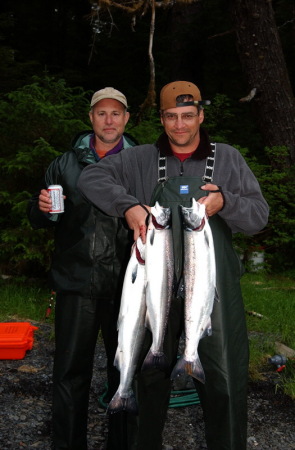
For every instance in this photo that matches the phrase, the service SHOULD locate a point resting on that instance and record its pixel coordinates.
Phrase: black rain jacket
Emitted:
(90, 246)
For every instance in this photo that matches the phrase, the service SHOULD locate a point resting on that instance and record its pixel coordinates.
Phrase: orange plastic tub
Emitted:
(15, 339)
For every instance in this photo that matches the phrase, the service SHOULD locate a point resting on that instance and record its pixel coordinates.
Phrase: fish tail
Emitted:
(119, 403)
(155, 361)
(192, 368)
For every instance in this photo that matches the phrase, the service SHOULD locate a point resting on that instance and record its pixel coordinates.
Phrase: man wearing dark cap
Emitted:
(182, 165)
(91, 252)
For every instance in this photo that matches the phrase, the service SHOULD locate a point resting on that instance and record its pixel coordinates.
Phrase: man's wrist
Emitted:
(137, 204)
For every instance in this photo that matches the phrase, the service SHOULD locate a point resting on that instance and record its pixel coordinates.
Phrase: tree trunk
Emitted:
(150, 100)
(263, 63)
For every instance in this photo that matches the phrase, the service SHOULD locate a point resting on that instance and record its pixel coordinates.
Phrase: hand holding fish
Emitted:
(214, 201)
(145, 302)
(136, 220)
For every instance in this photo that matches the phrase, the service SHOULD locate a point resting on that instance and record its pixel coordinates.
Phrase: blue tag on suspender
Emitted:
(184, 189)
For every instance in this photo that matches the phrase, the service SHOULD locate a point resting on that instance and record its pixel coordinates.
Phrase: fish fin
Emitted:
(119, 403)
(207, 329)
(206, 238)
(134, 273)
(155, 361)
(147, 323)
(118, 359)
(192, 368)
(216, 296)
(152, 236)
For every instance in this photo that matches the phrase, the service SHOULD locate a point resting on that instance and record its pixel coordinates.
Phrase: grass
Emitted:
(274, 298)
(269, 307)
(22, 301)
(270, 310)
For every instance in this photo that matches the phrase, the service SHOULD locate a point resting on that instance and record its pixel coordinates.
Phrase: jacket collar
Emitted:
(202, 151)
(84, 151)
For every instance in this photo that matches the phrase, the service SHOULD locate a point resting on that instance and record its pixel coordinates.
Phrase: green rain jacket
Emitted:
(90, 246)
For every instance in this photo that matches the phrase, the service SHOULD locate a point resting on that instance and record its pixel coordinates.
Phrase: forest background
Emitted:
(55, 54)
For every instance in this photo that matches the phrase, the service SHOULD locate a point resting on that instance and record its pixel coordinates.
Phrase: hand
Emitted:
(214, 201)
(136, 219)
(44, 201)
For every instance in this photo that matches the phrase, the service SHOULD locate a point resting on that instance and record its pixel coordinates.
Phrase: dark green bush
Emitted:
(37, 123)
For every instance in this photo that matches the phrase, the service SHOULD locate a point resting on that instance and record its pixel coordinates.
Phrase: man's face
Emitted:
(182, 126)
(108, 118)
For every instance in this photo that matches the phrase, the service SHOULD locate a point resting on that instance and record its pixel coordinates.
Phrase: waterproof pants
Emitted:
(77, 323)
(224, 355)
(225, 358)
(153, 387)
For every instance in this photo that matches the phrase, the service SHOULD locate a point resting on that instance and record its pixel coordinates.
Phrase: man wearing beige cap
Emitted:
(183, 165)
(91, 251)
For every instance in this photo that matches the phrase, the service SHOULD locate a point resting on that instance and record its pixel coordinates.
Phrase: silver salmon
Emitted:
(159, 276)
(199, 287)
(131, 330)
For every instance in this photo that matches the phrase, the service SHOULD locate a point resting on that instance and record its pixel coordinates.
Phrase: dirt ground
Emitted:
(25, 413)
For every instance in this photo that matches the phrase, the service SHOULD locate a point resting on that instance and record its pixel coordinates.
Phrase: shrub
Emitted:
(37, 123)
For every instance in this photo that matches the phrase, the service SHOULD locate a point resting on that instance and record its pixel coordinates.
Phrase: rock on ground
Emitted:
(25, 413)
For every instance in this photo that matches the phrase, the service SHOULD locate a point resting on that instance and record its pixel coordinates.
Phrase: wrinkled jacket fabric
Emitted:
(89, 245)
(125, 179)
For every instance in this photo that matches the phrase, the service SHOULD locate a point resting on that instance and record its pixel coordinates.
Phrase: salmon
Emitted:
(159, 277)
(131, 330)
(199, 288)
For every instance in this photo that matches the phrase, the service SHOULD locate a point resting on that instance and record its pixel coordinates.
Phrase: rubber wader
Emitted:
(78, 320)
(224, 355)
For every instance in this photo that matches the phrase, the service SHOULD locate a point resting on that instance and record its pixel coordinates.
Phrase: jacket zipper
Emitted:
(181, 168)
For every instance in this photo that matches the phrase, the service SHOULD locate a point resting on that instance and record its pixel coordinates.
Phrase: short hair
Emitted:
(187, 98)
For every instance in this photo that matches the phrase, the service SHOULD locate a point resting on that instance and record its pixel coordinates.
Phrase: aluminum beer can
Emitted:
(55, 191)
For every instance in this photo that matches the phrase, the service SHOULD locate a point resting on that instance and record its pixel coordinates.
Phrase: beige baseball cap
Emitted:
(171, 91)
(108, 92)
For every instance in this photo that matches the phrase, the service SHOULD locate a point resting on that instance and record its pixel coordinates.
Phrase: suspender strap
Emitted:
(209, 169)
(161, 169)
